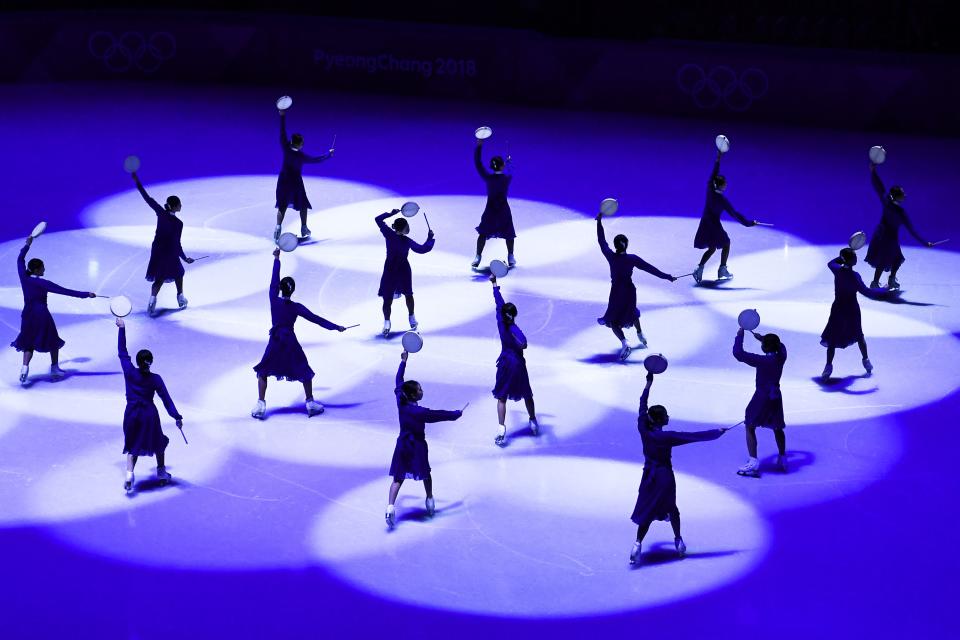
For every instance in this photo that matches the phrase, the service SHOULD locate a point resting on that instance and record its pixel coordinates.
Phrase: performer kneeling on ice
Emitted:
(142, 435)
(622, 307)
(166, 250)
(410, 459)
(512, 380)
(765, 408)
(397, 278)
(844, 327)
(290, 189)
(497, 219)
(657, 496)
(884, 252)
(38, 332)
(284, 357)
(710, 233)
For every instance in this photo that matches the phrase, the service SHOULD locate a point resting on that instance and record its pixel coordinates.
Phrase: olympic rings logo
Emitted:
(722, 86)
(132, 50)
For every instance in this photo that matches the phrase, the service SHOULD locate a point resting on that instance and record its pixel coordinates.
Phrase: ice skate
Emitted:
(642, 339)
(304, 232)
(698, 274)
(875, 284)
(625, 352)
(892, 284)
(635, 553)
(56, 372)
(827, 372)
(476, 261)
(723, 273)
(390, 516)
(259, 410)
(782, 463)
(128, 482)
(314, 408)
(431, 507)
(162, 476)
(501, 439)
(276, 234)
(152, 306)
(182, 301)
(534, 426)
(386, 328)
(751, 469)
(511, 261)
(24, 372)
(413, 322)
(867, 366)
(681, 547)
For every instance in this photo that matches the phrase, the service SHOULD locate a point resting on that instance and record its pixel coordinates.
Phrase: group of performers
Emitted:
(284, 358)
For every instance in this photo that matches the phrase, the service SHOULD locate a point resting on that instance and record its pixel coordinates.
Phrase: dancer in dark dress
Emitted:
(497, 219)
(512, 381)
(290, 189)
(622, 307)
(710, 233)
(884, 252)
(284, 357)
(410, 456)
(657, 495)
(142, 435)
(38, 332)
(166, 250)
(397, 278)
(765, 408)
(843, 327)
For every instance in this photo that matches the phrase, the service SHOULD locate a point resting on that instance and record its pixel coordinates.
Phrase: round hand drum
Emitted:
(287, 242)
(120, 306)
(877, 154)
(131, 164)
(655, 363)
(409, 209)
(37, 230)
(609, 206)
(284, 103)
(857, 240)
(748, 319)
(498, 268)
(723, 143)
(482, 133)
(412, 341)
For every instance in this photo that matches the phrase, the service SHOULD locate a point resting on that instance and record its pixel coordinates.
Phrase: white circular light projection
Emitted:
(535, 565)
(597, 290)
(765, 272)
(196, 241)
(368, 258)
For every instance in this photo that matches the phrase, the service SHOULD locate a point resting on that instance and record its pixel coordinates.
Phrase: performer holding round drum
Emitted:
(397, 278)
(512, 380)
(497, 219)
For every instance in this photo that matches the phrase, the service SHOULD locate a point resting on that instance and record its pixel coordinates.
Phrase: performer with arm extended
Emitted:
(497, 219)
(512, 380)
(765, 408)
(410, 455)
(622, 305)
(290, 189)
(397, 277)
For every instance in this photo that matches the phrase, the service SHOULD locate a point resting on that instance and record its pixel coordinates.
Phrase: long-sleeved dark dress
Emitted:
(166, 250)
(142, 435)
(657, 495)
(710, 233)
(290, 190)
(622, 305)
(497, 219)
(397, 277)
(884, 250)
(512, 380)
(843, 327)
(410, 456)
(765, 408)
(284, 357)
(38, 332)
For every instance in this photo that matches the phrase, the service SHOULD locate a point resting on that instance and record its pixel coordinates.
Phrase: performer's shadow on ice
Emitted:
(298, 408)
(719, 285)
(665, 553)
(420, 514)
(795, 461)
(148, 485)
(896, 297)
(611, 357)
(842, 385)
(68, 373)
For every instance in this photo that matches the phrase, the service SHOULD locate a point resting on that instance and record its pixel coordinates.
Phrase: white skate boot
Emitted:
(635, 553)
(431, 507)
(386, 328)
(24, 373)
(391, 517)
(723, 273)
(681, 547)
(314, 408)
(162, 476)
(152, 306)
(259, 410)
(751, 469)
(182, 301)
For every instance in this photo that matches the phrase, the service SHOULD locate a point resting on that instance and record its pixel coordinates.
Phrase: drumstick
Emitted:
(763, 224)
(940, 242)
(736, 425)
(351, 326)
(184, 437)
(427, 220)
(686, 274)
(200, 258)
(333, 145)
(464, 407)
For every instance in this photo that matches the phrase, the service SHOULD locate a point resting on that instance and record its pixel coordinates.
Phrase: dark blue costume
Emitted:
(38, 332)
(765, 408)
(843, 328)
(622, 306)
(657, 495)
(284, 357)
(397, 277)
(142, 435)
(166, 250)
(290, 190)
(410, 458)
(710, 233)
(884, 250)
(497, 220)
(512, 380)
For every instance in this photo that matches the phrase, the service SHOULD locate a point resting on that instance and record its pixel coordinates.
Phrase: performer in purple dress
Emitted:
(765, 408)
(622, 307)
(397, 278)
(497, 220)
(657, 495)
(512, 381)
(38, 332)
(843, 327)
(410, 456)
(166, 250)
(142, 435)
(284, 357)
(884, 252)
(290, 189)
(710, 233)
